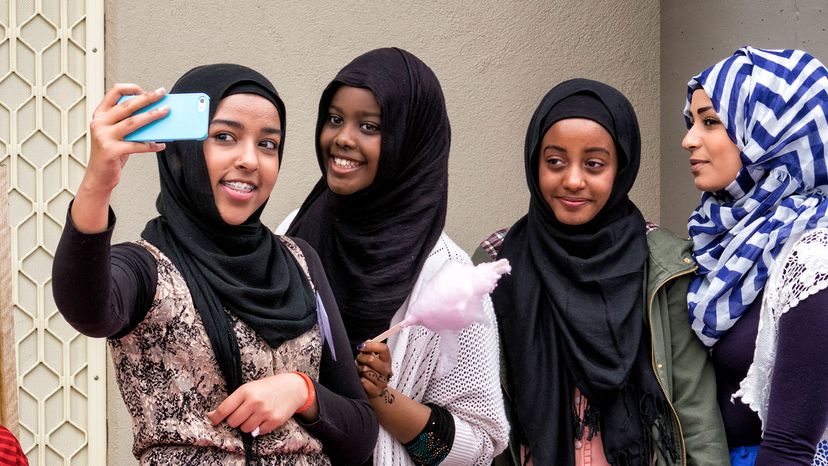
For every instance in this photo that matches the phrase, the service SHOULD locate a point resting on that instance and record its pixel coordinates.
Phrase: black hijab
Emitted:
(572, 312)
(375, 241)
(243, 268)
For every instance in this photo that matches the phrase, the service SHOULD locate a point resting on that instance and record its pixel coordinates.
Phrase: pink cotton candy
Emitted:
(453, 298)
(449, 302)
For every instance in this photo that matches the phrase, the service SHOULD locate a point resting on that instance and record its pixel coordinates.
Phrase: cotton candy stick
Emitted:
(452, 299)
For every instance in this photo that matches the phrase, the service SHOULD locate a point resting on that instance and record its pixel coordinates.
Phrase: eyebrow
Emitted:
(703, 109)
(587, 150)
(238, 125)
(362, 114)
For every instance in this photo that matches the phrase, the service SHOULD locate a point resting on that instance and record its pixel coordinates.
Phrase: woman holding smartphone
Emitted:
(757, 135)
(224, 336)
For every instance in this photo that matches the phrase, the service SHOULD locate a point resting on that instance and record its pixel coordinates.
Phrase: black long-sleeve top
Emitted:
(798, 402)
(106, 291)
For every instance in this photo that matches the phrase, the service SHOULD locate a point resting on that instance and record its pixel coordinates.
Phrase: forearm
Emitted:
(101, 292)
(345, 422)
(90, 209)
(401, 416)
(798, 403)
(347, 427)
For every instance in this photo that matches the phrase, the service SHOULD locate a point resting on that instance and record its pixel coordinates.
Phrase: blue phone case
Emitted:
(187, 119)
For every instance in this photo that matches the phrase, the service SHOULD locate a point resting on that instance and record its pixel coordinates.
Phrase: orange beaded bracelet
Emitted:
(311, 392)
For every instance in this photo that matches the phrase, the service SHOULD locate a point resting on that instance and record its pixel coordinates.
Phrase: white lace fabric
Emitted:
(800, 271)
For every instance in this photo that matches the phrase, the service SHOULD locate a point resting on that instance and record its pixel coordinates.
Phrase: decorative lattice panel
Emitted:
(50, 61)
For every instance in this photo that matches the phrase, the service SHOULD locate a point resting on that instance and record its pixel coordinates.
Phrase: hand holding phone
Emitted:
(187, 119)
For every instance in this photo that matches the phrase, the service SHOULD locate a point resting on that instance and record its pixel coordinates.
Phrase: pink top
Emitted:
(587, 452)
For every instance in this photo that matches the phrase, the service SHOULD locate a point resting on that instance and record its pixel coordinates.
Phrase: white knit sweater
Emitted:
(470, 391)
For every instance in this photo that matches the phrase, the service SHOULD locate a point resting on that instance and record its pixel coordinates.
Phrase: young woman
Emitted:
(601, 366)
(211, 319)
(757, 135)
(377, 216)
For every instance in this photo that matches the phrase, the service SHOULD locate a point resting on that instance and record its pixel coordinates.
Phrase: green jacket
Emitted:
(680, 361)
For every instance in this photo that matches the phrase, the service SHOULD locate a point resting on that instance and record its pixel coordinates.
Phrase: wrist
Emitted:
(309, 392)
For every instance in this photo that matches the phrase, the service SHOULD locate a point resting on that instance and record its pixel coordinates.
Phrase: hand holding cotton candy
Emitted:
(450, 301)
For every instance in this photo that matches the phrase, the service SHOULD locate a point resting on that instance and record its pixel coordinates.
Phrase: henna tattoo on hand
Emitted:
(376, 376)
(387, 396)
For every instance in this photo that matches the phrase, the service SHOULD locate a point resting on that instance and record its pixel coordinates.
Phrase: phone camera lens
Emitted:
(201, 100)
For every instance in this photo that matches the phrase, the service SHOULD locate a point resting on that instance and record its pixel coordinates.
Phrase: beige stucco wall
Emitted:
(495, 59)
(694, 36)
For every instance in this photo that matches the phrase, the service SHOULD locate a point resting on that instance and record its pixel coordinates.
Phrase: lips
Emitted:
(573, 202)
(238, 190)
(697, 164)
(343, 164)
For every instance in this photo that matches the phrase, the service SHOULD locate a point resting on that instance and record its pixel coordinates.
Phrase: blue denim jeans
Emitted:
(743, 456)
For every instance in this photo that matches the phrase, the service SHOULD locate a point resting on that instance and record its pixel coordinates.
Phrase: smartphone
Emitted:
(187, 119)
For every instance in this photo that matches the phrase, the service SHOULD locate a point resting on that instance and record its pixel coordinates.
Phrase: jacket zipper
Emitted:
(652, 357)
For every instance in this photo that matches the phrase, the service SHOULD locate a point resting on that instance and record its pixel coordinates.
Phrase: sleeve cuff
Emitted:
(72, 231)
(465, 447)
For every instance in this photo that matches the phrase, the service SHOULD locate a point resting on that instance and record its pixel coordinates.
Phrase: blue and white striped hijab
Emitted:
(774, 106)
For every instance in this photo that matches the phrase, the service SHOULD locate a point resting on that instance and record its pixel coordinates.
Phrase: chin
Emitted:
(234, 219)
(342, 189)
(708, 187)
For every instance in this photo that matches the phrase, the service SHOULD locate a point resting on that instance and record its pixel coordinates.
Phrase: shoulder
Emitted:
(670, 261)
(444, 250)
(303, 251)
(137, 255)
(283, 227)
(489, 248)
(802, 267)
(807, 251)
(668, 251)
(811, 248)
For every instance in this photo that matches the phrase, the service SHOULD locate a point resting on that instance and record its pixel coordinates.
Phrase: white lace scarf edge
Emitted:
(792, 278)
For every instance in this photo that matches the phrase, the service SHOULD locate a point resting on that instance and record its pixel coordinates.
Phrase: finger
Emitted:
(241, 414)
(270, 425)
(132, 123)
(111, 97)
(126, 108)
(142, 147)
(371, 390)
(363, 358)
(376, 377)
(377, 365)
(255, 419)
(381, 349)
(225, 408)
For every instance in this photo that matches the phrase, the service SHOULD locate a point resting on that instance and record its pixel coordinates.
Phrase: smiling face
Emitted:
(714, 158)
(576, 169)
(242, 155)
(350, 140)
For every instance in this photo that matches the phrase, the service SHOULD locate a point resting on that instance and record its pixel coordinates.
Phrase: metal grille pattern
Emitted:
(47, 68)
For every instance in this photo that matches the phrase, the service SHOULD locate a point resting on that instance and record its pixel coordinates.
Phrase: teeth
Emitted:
(239, 186)
(345, 163)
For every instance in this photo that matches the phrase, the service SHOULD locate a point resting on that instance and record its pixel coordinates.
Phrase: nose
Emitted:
(344, 138)
(691, 140)
(248, 158)
(573, 179)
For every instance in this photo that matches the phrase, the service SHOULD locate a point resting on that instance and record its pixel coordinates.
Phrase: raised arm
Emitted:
(99, 290)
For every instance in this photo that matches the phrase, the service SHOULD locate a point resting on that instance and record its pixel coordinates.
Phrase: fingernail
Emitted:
(162, 108)
(360, 346)
(160, 90)
(255, 432)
